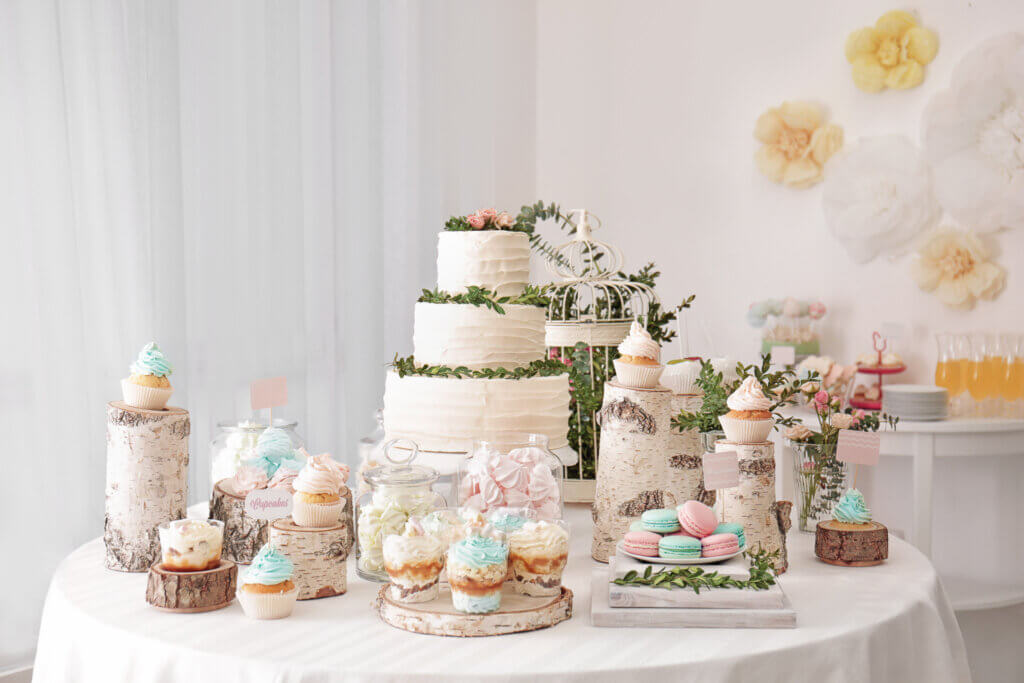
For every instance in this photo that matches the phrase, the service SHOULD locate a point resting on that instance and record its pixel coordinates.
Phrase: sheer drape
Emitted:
(257, 186)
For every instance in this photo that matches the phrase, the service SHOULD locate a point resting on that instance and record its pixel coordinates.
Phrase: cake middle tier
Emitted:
(446, 414)
(477, 337)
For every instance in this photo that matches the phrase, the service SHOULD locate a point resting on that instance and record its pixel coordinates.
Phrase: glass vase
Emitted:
(708, 439)
(820, 482)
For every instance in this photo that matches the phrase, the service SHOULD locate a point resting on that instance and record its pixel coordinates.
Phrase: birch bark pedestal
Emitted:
(685, 471)
(244, 535)
(146, 484)
(837, 543)
(319, 556)
(765, 521)
(192, 591)
(632, 470)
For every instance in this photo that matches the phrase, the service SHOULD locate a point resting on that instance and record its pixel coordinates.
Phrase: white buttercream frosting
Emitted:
(477, 337)
(539, 538)
(498, 260)
(749, 396)
(402, 550)
(639, 343)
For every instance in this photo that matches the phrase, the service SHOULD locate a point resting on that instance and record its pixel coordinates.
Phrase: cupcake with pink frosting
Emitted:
(639, 362)
(317, 502)
(749, 419)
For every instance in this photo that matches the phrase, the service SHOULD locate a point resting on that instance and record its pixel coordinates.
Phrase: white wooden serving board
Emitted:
(602, 614)
(620, 564)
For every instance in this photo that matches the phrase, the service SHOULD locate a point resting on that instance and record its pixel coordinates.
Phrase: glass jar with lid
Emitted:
(235, 441)
(370, 451)
(398, 490)
(516, 471)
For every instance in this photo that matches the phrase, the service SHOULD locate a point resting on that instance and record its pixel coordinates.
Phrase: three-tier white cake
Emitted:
(445, 413)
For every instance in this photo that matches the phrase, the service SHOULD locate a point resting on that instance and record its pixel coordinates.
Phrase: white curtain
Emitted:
(255, 185)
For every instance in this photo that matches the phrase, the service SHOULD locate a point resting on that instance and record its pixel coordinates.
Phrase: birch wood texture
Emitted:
(244, 535)
(851, 547)
(765, 521)
(147, 481)
(632, 462)
(192, 591)
(685, 471)
(319, 556)
(437, 617)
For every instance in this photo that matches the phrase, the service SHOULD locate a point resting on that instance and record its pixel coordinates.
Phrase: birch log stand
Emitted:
(244, 535)
(851, 545)
(437, 617)
(192, 591)
(147, 481)
(319, 556)
(632, 470)
(685, 471)
(752, 503)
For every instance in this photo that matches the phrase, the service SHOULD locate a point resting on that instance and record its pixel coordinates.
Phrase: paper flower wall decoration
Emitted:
(890, 54)
(955, 266)
(878, 197)
(973, 136)
(797, 143)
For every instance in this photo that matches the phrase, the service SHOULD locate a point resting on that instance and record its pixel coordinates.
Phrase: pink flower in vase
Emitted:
(821, 401)
(475, 220)
(504, 220)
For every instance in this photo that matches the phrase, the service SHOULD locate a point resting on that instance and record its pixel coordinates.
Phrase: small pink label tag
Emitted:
(269, 393)
(721, 470)
(860, 448)
(268, 504)
(784, 355)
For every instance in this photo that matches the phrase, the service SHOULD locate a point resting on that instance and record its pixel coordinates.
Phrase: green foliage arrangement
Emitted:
(762, 576)
(481, 296)
(538, 368)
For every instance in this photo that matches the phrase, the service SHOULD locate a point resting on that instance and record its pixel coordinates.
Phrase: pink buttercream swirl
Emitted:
(640, 343)
(749, 396)
(284, 478)
(248, 479)
(321, 474)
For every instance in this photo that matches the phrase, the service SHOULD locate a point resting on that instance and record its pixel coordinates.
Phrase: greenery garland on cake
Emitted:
(481, 296)
(538, 368)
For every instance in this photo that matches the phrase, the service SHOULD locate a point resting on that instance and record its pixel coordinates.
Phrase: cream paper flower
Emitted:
(890, 54)
(973, 136)
(955, 266)
(797, 143)
(878, 197)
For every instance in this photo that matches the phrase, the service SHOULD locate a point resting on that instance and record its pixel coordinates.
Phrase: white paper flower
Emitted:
(878, 197)
(973, 136)
(955, 266)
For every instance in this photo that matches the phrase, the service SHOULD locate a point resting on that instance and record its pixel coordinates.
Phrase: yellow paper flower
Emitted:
(890, 54)
(955, 266)
(796, 144)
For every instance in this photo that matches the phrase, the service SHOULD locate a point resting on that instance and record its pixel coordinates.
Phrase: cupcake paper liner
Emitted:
(316, 515)
(681, 383)
(746, 431)
(148, 398)
(267, 605)
(638, 376)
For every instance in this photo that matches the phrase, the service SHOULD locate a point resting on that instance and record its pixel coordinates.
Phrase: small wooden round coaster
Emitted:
(438, 617)
(838, 545)
(186, 592)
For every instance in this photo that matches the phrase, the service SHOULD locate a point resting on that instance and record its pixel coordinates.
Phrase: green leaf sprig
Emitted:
(538, 368)
(481, 296)
(762, 576)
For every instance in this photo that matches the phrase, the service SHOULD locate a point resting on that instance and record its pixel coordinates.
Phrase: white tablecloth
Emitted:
(878, 624)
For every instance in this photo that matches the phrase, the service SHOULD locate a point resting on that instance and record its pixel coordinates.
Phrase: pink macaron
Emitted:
(697, 519)
(642, 543)
(717, 545)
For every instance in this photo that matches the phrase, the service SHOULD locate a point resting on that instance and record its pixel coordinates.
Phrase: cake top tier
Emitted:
(498, 260)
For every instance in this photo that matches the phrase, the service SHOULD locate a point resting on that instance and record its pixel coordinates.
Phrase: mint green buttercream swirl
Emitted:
(851, 508)
(508, 522)
(274, 449)
(151, 361)
(479, 552)
(270, 566)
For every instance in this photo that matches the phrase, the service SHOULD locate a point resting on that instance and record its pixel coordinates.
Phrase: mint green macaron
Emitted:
(661, 521)
(637, 526)
(679, 547)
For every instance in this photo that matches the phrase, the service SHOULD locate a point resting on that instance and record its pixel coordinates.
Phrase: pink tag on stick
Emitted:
(859, 448)
(269, 393)
(721, 470)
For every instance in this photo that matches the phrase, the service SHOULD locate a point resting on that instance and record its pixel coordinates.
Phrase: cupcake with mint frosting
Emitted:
(266, 589)
(851, 512)
(148, 385)
(639, 363)
(476, 568)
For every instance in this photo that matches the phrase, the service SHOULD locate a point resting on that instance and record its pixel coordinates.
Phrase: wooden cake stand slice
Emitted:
(192, 591)
(837, 543)
(438, 617)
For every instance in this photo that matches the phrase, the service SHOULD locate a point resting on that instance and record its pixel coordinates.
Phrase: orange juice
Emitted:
(975, 382)
(948, 376)
(993, 374)
(1013, 388)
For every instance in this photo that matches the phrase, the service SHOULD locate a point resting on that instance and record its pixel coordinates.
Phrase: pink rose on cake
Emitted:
(475, 221)
(504, 220)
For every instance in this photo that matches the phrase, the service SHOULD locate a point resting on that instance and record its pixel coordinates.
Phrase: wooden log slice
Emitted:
(202, 591)
(244, 535)
(841, 544)
(319, 556)
(438, 617)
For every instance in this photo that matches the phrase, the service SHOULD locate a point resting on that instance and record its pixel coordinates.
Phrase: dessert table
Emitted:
(886, 623)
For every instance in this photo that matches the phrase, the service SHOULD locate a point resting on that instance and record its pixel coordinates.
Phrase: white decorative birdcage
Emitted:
(592, 307)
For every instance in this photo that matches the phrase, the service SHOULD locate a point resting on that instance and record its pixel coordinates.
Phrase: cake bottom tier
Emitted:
(446, 414)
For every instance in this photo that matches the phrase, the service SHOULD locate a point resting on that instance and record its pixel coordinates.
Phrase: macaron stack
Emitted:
(690, 531)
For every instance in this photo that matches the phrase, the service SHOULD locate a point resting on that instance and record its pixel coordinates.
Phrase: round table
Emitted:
(886, 623)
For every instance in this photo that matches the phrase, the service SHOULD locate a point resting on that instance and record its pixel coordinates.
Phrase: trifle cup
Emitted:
(476, 570)
(191, 545)
(538, 553)
(413, 562)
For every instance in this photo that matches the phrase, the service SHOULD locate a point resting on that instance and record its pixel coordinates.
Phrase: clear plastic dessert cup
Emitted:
(191, 545)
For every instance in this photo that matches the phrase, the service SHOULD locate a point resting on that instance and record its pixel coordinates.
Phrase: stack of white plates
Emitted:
(914, 401)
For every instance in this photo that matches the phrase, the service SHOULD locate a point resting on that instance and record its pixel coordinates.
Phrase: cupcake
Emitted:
(537, 555)
(476, 571)
(851, 512)
(191, 545)
(681, 376)
(148, 386)
(265, 589)
(638, 363)
(413, 562)
(749, 419)
(317, 501)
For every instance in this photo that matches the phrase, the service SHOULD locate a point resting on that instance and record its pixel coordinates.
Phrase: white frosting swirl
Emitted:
(640, 343)
(749, 396)
(537, 538)
(401, 550)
